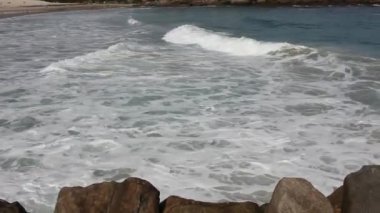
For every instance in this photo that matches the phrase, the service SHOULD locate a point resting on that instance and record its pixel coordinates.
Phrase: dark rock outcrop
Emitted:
(336, 199)
(361, 191)
(131, 196)
(264, 207)
(297, 195)
(15, 207)
(174, 204)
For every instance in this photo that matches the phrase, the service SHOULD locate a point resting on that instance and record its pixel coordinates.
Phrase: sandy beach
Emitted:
(24, 3)
(9, 8)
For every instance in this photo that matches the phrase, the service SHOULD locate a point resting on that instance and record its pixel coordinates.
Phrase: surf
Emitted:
(224, 43)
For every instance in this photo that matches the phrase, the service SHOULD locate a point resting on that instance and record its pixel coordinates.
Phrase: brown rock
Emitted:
(241, 2)
(131, 196)
(208, 2)
(261, 1)
(263, 208)
(14, 207)
(192, 2)
(336, 199)
(297, 195)
(362, 191)
(174, 204)
(172, 2)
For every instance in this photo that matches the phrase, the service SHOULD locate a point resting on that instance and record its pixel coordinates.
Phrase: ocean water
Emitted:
(208, 103)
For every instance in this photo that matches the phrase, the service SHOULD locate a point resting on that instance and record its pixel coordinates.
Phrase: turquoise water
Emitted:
(209, 103)
(351, 30)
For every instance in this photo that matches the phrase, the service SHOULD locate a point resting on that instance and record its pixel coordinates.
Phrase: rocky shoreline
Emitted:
(6, 12)
(227, 2)
(360, 193)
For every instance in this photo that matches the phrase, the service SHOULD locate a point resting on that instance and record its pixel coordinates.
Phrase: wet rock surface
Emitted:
(174, 204)
(336, 199)
(297, 195)
(361, 191)
(15, 207)
(131, 196)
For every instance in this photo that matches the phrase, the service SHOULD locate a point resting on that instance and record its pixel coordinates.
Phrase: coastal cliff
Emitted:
(225, 2)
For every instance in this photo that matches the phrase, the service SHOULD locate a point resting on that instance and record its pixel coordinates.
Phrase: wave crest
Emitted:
(190, 34)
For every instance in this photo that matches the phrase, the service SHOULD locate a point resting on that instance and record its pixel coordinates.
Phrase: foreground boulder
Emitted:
(131, 196)
(297, 195)
(174, 204)
(14, 207)
(361, 191)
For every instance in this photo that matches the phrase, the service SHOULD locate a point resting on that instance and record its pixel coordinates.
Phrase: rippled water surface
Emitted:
(209, 103)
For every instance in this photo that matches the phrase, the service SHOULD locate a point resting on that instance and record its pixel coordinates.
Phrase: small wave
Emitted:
(285, 53)
(132, 21)
(89, 60)
(190, 34)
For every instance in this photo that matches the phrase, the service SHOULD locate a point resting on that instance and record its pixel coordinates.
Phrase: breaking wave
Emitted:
(214, 41)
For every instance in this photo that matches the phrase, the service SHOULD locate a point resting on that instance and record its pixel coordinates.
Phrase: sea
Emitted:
(209, 103)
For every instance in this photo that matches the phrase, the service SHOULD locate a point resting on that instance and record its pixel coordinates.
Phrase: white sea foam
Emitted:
(214, 41)
(132, 21)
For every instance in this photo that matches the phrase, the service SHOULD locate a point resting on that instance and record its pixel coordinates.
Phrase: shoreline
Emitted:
(8, 12)
(358, 191)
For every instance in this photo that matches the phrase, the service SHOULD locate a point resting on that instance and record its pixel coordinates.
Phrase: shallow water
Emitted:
(208, 103)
